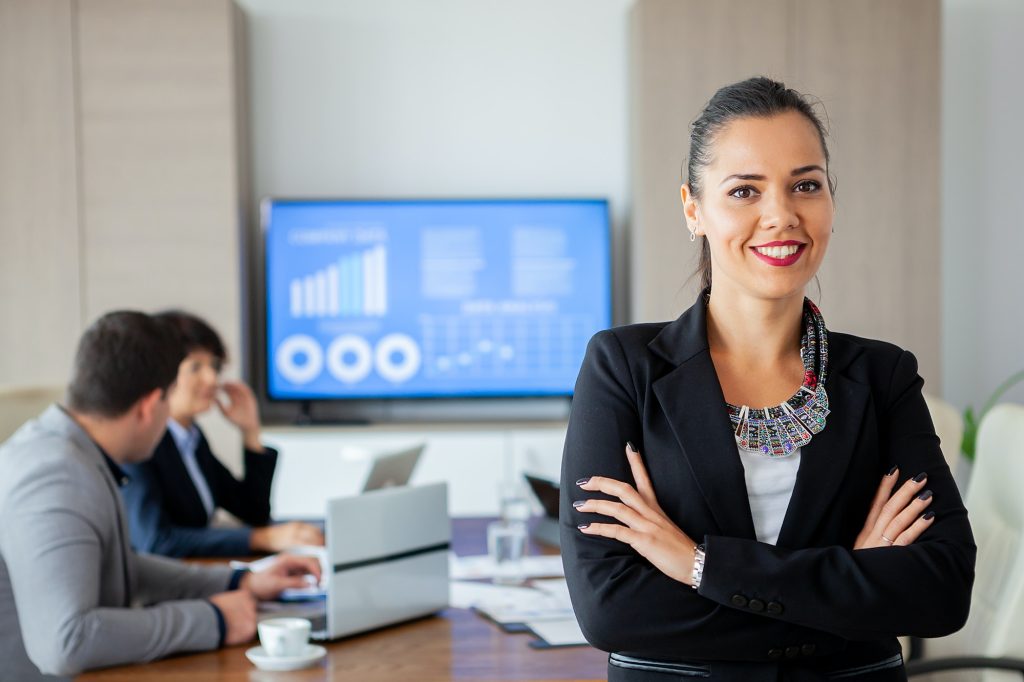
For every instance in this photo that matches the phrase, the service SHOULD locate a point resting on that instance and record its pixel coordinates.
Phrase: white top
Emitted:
(770, 482)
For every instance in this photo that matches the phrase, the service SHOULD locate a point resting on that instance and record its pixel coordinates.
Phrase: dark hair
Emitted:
(193, 333)
(757, 97)
(122, 357)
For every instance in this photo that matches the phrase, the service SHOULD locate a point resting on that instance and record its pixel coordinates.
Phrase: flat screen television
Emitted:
(431, 299)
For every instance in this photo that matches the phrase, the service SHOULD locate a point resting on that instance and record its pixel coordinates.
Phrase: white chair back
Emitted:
(949, 425)
(995, 502)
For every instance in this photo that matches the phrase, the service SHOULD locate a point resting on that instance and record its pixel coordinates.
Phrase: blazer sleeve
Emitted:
(623, 603)
(248, 499)
(53, 542)
(153, 532)
(923, 589)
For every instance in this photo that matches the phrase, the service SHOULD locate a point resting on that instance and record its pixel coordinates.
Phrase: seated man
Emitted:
(73, 594)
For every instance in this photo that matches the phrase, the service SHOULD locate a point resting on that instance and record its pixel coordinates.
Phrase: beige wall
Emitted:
(119, 180)
(875, 66)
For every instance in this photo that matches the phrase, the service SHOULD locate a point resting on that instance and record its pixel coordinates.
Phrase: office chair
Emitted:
(993, 638)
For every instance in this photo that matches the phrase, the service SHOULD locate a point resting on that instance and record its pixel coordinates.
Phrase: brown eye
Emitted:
(808, 186)
(742, 192)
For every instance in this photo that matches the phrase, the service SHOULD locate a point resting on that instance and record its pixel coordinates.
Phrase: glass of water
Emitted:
(506, 544)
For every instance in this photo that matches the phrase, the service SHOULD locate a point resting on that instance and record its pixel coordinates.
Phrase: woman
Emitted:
(746, 495)
(172, 496)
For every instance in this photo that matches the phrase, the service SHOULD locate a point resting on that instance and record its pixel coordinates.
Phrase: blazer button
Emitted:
(775, 654)
(775, 608)
(756, 605)
(792, 651)
(739, 601)
(807, 649)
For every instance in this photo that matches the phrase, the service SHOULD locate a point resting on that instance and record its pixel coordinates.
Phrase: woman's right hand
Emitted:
(897, 518)
(282, 536)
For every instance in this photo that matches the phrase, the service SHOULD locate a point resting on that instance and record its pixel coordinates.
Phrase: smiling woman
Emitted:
(791, 512)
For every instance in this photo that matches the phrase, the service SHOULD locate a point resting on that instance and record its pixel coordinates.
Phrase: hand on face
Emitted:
(646, 528)
(240, 408)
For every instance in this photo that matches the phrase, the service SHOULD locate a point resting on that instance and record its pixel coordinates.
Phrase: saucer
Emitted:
(261, 660)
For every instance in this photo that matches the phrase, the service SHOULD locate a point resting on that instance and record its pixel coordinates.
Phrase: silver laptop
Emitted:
(387, 552)
(393, 469)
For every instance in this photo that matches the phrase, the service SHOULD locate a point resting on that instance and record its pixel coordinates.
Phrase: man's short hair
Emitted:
(122, 357)
(194, 333)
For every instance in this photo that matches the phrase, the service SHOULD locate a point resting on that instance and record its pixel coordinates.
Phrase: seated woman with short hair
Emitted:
(171, 497)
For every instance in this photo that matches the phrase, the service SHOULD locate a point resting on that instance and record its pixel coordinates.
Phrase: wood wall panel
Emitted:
(39, 273)
(161, 194)
(875, 66)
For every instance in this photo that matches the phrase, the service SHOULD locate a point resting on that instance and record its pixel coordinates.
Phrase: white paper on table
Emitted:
(511, 604)
(466, 595)
(483, 566)
(562, 632)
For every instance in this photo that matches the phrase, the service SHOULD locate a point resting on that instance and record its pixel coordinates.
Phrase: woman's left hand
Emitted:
(646, 527)
(242, 411)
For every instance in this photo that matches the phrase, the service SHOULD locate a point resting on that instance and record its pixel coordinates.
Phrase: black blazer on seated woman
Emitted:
(166, 514)
(808, 608)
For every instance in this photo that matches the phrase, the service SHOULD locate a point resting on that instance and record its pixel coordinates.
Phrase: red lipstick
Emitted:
(780, 262)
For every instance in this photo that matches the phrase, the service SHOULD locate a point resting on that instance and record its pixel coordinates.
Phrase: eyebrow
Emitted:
(754, 176)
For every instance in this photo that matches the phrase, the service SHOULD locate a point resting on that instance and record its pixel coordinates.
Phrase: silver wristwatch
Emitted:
(698, 566)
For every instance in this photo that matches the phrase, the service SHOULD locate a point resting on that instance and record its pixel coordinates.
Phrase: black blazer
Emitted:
(166, 515)
(806, 608)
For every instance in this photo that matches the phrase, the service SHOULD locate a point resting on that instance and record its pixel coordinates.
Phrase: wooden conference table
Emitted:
(454, 645)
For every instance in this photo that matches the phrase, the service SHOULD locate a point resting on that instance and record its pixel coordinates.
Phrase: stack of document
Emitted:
(543, 609)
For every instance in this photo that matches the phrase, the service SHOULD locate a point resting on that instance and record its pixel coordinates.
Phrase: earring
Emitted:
(693, 235)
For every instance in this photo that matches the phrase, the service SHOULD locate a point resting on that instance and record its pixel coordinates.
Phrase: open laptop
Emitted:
(546, 528)
(306, 478)
(387, 553)
(393, 468)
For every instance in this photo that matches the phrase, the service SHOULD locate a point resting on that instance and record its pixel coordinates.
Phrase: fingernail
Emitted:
(583, 481)
(925, 495)
(893, 470)
(630, 445)
(579, 503)
(583, 525)
(920, 477)
(929, 515)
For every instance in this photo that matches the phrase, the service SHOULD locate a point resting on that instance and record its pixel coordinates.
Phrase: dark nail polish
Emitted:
(920, 477)
(583, 525)
(929, 515)
(579, 503)
(893, 470)
(630, 445)
(925, 495)
(583, 481)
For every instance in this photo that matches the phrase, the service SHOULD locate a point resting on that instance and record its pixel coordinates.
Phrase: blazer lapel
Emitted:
(692, 399)
(824, 461)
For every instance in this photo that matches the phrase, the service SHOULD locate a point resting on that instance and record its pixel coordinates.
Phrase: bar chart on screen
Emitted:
(356, 285)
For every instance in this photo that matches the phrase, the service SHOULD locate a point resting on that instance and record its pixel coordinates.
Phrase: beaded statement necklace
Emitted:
(779, 431)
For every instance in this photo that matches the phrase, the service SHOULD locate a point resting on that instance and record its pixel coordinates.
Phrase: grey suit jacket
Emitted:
(73, 594)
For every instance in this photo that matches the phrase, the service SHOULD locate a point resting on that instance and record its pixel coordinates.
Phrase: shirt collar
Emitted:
(185, 438)
(115, 469)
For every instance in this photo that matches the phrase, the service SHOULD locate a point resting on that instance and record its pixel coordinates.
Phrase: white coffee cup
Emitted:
(283, 637)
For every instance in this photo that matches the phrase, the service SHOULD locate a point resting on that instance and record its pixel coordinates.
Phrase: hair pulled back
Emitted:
(757, 97)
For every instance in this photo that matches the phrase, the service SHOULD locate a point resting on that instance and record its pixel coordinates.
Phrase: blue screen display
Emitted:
(435, 298)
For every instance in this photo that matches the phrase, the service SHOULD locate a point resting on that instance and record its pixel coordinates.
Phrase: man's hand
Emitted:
(282, 536)
(239, 610)
(286, 572)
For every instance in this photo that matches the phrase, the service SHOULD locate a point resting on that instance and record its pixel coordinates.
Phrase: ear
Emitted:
(146, 409)
(691, 210)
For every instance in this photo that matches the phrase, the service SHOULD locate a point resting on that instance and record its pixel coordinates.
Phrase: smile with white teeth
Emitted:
(777, 251)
